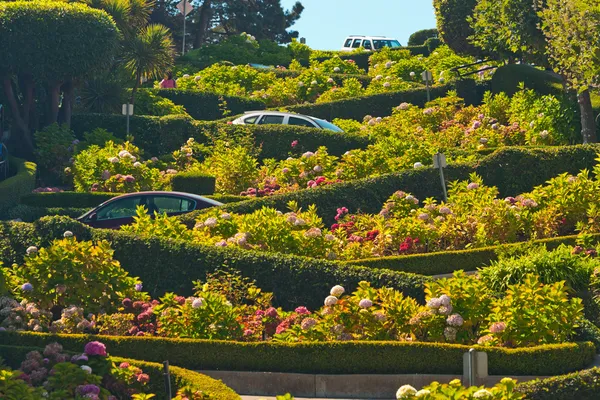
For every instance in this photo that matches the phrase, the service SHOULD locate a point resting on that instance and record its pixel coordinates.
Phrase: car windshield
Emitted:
(385, 43)
(327, 125)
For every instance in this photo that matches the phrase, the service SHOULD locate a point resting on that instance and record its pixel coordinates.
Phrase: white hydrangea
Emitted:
(337, 291)
(68, 234)
(405, 392)
(422, 393)
(197, 303)
(210, 222)
(330, 301)
(482, 394)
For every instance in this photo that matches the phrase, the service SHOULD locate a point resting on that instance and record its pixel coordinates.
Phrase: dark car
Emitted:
(120, 210)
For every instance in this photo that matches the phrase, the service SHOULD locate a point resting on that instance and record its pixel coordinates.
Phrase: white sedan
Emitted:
(284, 118)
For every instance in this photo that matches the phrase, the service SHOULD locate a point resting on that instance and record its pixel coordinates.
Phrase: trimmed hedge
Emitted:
(14, 355)
(14, 187)
(362, 59)
(381, 105)
(30, 214)
(508, 77)
(208, 106)
(513, 170)
(171, 265)
(582, 385)
(339, 79)
(316, 358)
(162, 135)
(193, 182)
(446, 262)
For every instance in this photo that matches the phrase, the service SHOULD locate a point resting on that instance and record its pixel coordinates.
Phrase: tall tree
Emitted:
(453, 24)
(47, 47)
(509, 29)
(572, 30)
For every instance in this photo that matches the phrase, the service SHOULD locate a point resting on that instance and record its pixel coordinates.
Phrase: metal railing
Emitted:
(458, 69)
(4, 163)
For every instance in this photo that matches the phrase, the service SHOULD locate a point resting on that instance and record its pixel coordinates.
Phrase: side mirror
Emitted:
(93, 217)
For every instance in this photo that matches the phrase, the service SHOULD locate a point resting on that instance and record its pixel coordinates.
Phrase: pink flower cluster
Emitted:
(95, 348)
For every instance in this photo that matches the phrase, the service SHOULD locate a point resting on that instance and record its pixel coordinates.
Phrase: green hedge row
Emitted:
(14, 355)
(327, 358)
(207, 106)
(193, 182)
(22, 182)
(381, 105)
(30, 214)
(339, 79)
(447, 262)
(171, 265)
(514, 170)
(162, 135)
(582, 385)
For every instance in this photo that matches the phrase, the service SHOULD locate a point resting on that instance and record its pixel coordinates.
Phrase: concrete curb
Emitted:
(334, 386)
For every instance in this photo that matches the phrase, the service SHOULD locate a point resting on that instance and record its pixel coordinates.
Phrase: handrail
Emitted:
(4, 163)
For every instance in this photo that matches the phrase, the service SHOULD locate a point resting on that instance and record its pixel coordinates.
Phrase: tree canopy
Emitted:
(453, 24)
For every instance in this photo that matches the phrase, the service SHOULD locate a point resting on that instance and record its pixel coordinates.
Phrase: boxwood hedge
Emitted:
(180, 377)
(162, 135)
(327, 357)
(582, 385)
(171, 265)
(194, 182)
(22, 182)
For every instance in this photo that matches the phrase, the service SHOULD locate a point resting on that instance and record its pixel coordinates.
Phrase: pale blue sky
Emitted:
(326, 23)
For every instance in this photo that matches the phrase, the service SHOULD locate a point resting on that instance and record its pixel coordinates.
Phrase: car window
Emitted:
(379, 44)
(300, 122)
(348, 43)
(119, 209)
(169, 204)
(356, 44)
(367, 44)
(251, 120)
(328, 125)
(271, 119)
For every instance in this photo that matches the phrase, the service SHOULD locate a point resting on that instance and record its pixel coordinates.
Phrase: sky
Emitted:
(326, 23)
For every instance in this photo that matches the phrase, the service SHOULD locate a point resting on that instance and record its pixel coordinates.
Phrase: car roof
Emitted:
(165, 193)
(371, 37)
(278, 113)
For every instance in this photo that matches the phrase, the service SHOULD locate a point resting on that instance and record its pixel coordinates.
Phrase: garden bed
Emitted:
(316, 358)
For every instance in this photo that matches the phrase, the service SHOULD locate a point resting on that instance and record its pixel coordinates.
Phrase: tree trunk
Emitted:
(67, 105)
(54, 104)
(21, 122)
(205, 14)
(138, 77)
(588, 123)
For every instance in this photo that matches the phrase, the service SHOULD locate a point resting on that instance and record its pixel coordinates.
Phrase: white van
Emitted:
(369, 43)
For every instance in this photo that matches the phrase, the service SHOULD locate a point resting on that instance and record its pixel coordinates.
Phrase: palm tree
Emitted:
(150, 53)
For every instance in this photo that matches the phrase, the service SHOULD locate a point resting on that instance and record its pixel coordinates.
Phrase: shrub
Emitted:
(149, 103)
(419, 37)
(21, 183)
(551, 266)
(507, 78)
(55, 146)
(233, 166)
(207, 106)
(30, 214)
(453, 25)
(504, 390)
(360, 357)
(89, 277)
(193, 182)
(583, 385)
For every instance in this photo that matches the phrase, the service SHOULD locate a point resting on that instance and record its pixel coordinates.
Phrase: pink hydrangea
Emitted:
(294, 144)
(498, 327)
(365, 303)
(272, 312)
(428, 111)
(302, 310)
(472, 185)
(95, 349)
(308, 323)
(143, 378)
(455, 320)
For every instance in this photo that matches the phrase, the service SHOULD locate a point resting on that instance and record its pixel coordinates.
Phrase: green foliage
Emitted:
(71, 272)
(22, 183)
(551, 267)
(193, 182)
(583, 385)
(369, 358)
(508, 78)
(98, 137)
(233, 166)
(14, 388)
(81, 29)
(148, 103)
(504, 390)
(420, 37)
(453, 25)
(55, 145)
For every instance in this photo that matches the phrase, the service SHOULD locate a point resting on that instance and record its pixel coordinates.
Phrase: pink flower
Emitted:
(129, 178)
(498, 327)
(455, 320)
(476, 124)
(95, 349)
(308, 323)
(143, 378)
(248, 332)
(428, 111)
(302, 310)
(272, 312)
(365, 303)
(105, 174)
(124, 365)
(294, 144)
(472, 185)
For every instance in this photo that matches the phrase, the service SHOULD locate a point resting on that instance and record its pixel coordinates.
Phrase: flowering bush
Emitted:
(115, 168)
(504, 390)
(55, 375)
(71, 272)
(55, 145)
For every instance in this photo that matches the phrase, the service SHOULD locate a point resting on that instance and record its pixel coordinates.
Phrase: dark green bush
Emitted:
(351, 357)
(66, 199)
(210, 106)
(420, 37)
(14, 355)
(381, 105)
(582, 385)
(160, 136)
(171, 266)
(30, 214)
(21, 183)
(588, 332)
(453, 25)
(508, 77)
(193, 182)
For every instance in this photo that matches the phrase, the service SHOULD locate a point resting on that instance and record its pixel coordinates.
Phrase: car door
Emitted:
(367, 44)
(357, 43)
(115, 214)
(299, 121)
(271, 119)
(172, 205)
